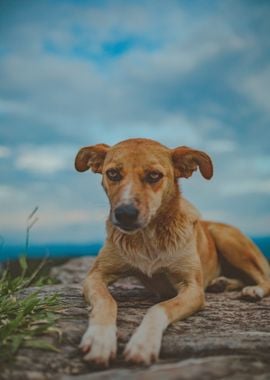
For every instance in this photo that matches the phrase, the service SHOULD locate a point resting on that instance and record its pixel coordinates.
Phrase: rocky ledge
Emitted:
(229, 339)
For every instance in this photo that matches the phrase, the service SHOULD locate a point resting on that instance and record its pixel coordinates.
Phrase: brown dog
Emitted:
(154, 233)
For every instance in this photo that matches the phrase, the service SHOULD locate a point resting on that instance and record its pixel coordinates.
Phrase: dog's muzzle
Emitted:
(126, 217)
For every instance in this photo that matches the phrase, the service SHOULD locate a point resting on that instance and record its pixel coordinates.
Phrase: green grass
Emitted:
(25, 318)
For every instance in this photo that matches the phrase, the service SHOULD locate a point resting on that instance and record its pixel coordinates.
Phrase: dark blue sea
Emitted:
(63, 250)
(53, 250)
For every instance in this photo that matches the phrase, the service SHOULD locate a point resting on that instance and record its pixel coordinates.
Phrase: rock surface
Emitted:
(229, 339)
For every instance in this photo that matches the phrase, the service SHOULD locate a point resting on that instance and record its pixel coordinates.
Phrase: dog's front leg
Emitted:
(144, 345)
(99, 343)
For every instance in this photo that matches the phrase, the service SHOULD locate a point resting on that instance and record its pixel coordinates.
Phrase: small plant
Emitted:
(30, 222)
(25, 317)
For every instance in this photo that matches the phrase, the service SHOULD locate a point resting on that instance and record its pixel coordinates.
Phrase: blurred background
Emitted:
(76, 73)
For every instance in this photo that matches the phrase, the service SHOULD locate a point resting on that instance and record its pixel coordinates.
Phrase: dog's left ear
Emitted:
(187, 160)
(91, 157)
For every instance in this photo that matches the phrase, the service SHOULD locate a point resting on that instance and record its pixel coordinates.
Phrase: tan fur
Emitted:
(173, 251)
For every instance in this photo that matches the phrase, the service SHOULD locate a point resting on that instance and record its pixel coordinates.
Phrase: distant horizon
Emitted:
(69, 250)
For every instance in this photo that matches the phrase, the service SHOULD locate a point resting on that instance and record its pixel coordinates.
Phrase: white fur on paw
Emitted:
(99, 342)
(143, 348)
(253, 292)
(144, 345)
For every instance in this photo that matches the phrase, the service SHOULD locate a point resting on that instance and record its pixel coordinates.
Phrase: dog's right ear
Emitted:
(91, 157)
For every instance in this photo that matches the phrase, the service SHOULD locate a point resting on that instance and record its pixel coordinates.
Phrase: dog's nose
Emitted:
(126, 215)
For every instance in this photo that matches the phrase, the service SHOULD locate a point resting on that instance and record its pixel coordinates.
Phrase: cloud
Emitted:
(4, 151)
(253, 186)
(247, 166)
(72, 217)
(44, 159)
(7, 192)
(55, 225)
(79, 89)
(256, 87)
(221, 146)
(76, 74)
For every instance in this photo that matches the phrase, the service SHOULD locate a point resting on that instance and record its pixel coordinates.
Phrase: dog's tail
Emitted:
(240, 252)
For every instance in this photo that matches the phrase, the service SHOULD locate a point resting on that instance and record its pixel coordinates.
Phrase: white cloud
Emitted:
(72, 208)
(45, 159)
(256, 87)
(221, 146)
(52, 218)
(243, 165)
(8, 192)
(261, 164)
(4, 151)
(254, 186)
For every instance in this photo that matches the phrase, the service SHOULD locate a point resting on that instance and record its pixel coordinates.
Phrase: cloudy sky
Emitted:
(76, 73)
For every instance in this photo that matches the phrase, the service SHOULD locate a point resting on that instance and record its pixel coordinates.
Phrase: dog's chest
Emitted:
(149, 264)
(154, 251)
(149, 258)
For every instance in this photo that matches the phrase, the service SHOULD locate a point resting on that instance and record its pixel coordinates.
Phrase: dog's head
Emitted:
(139, 175)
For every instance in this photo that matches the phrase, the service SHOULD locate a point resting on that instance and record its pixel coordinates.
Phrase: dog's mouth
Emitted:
(126, 228)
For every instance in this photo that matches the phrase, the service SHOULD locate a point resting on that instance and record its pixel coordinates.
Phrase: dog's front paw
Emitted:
(99, 343)
(142, 348)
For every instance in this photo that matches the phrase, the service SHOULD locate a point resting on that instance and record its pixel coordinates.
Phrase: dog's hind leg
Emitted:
(242, 254)
(224, 284)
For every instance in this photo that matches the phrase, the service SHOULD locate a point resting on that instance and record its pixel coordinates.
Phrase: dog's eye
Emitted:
(113, 175)
(153, 177)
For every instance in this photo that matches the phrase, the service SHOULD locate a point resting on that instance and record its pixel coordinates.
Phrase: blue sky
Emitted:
(76, 73)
